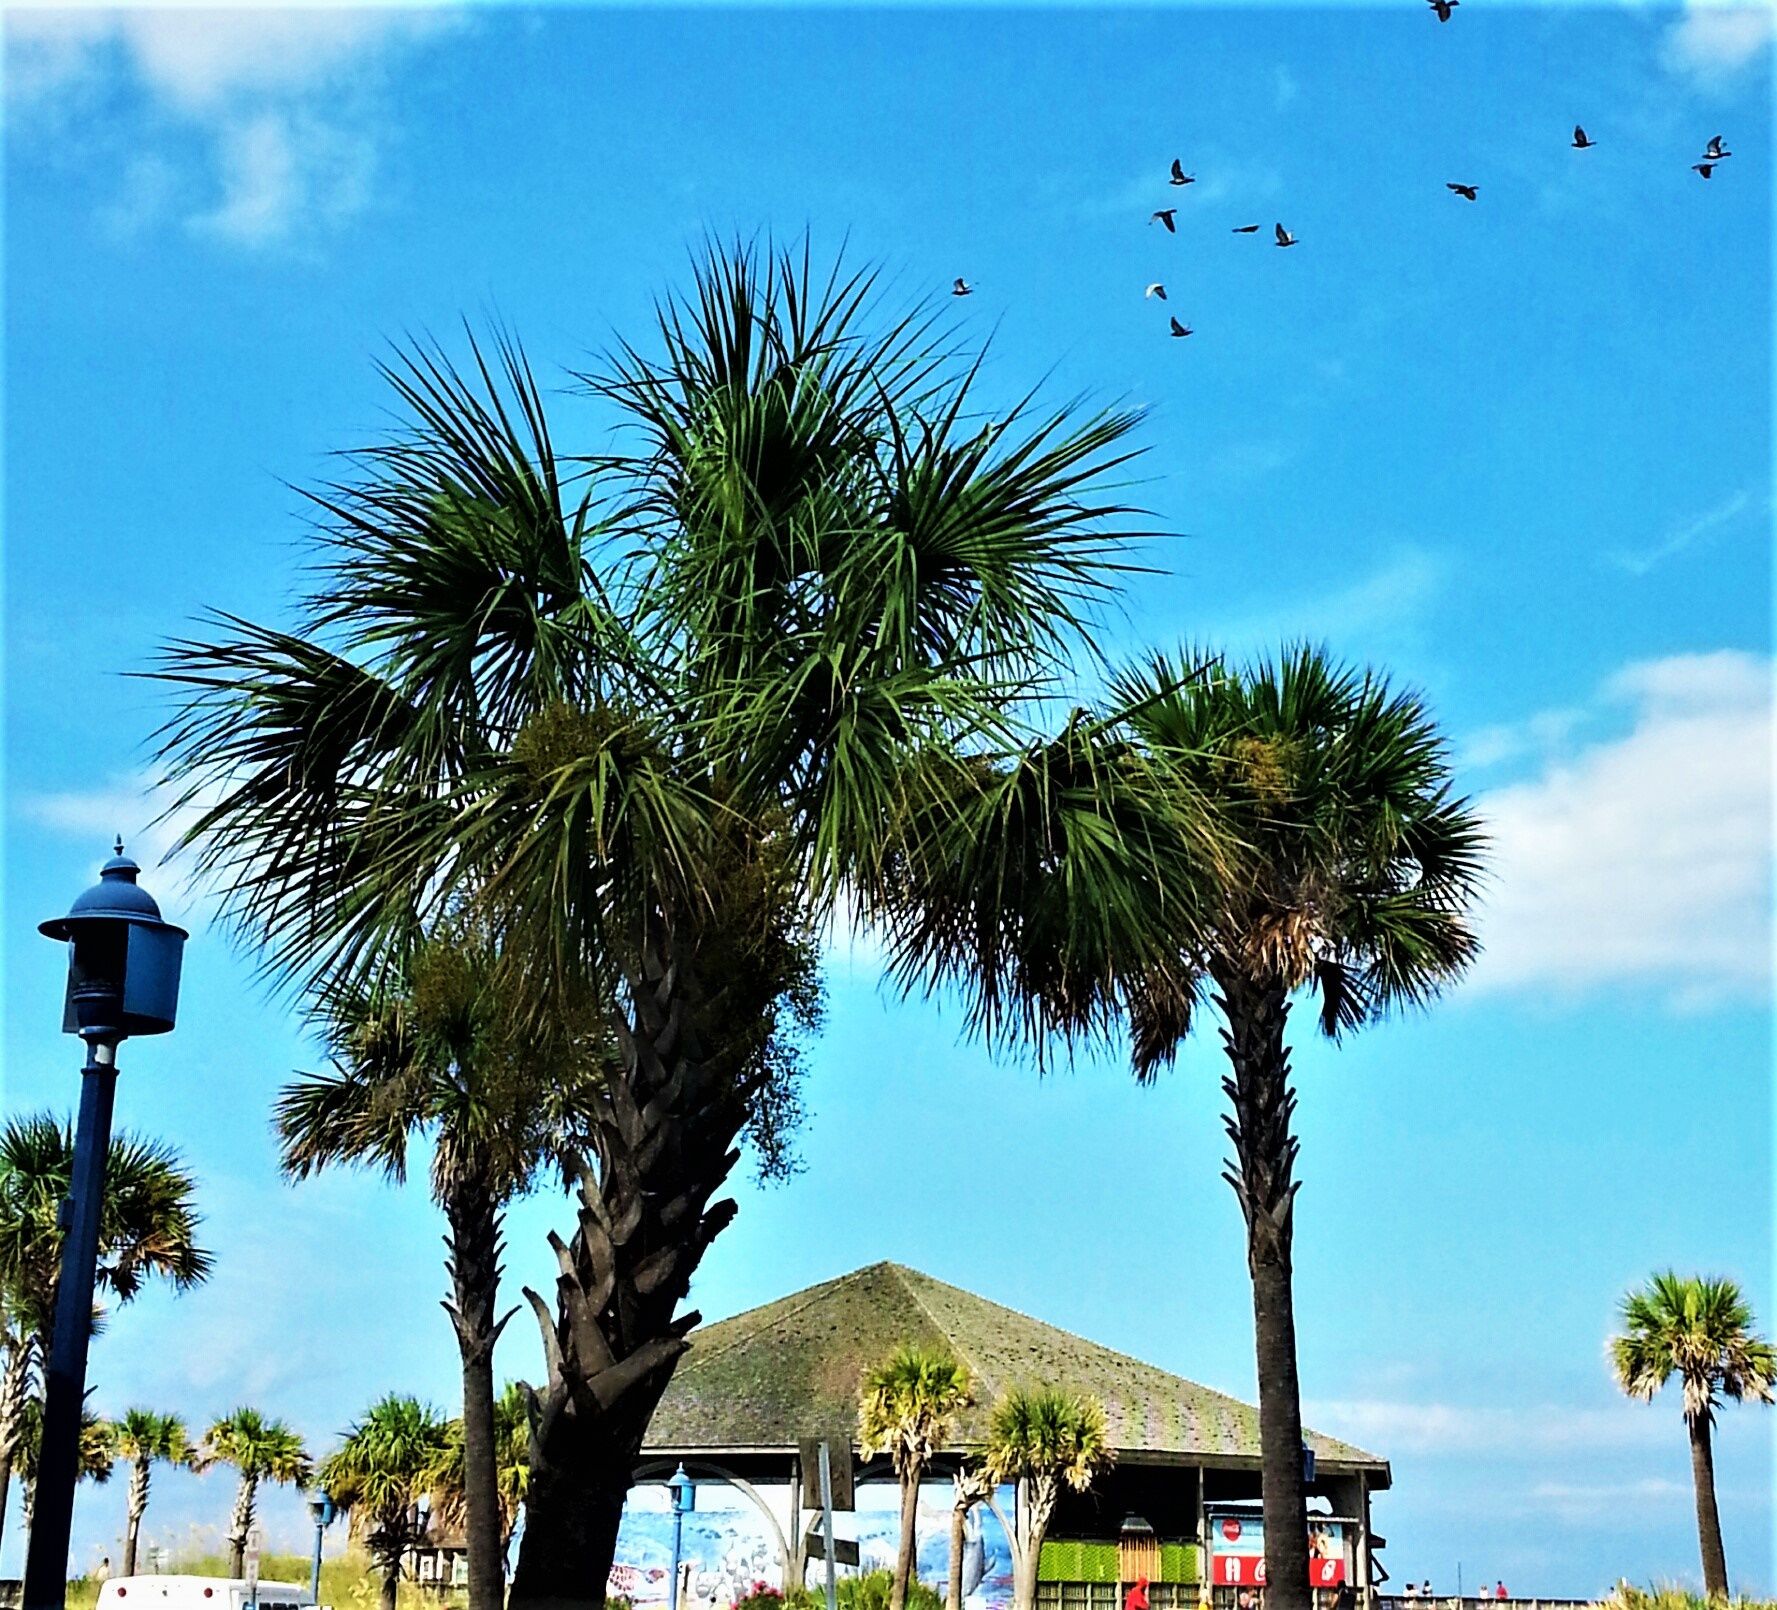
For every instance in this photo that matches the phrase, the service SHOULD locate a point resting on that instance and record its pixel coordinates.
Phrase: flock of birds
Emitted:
(1715, 152)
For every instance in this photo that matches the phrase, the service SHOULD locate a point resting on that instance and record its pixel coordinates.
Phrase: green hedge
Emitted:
(1073, 1561)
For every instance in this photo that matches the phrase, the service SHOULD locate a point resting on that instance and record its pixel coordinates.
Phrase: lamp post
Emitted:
(123, 979)
(321, 1507)
(684, 1491)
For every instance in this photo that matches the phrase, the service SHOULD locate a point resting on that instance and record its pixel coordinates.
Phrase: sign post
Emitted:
(250, 1598)
(827, 1524)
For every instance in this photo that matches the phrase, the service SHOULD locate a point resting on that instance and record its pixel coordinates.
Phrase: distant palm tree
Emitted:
(448, 1048)
(140, 1437)
(147, 1231)
(384, 1476)
(973, 1486)
(1702, 1331)
(1041, 1441)
(906, 1409)
(261, 1450)
(98, 1454)
(1358, 874)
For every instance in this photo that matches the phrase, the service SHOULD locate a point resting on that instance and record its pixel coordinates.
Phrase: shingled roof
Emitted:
(790, 1369)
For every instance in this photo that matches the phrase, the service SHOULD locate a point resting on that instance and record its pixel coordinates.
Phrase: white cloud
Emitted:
(1684, 535)
(1407, 1427)
(286, 104)
(1711, 45)
(1643, 858)
(1368, 613)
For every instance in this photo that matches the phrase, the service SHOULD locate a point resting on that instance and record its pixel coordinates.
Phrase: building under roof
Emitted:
(753, 1388)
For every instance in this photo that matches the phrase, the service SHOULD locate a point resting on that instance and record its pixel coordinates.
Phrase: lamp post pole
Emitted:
(684, 1493)
(123, 979)
(321, 1507)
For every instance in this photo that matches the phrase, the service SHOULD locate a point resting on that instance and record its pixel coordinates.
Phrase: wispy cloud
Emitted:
(1404, 1426)
(1388, 603)
(288, 106)
(1686, 534)
(1712, 46)
(1642, 858)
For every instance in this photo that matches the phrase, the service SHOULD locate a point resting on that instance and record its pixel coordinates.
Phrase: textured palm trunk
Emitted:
(391, 1564)
(1035, 1504)
(136, 1508)
(664, 1141)
(240, 1523)
(474, 1266)
(1715, 1560)
(15, 1393)
(959, 1522)
(1256, 1012)
(904, 1554)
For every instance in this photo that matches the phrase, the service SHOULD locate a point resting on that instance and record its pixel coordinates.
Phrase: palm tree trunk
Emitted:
(241, 1523)
(15, 1392)
(904, 1555)
(664, 1141)
(1256, 1011)
(1715, 1560)
(959, 1520)
(137, 1506)
(474, 1265)
(391, 1580)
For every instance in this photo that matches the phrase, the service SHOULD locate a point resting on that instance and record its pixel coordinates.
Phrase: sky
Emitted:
(1516, 452)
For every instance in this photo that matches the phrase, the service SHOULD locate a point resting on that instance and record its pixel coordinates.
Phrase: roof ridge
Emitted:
(902, 1272)
(810, 1295)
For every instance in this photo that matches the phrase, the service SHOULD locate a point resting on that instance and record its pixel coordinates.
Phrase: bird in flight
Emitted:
(1156, 289)
(1580, 139)
(1246, 229)
(1179, 176)
(1164, 216)
(1704, 168)
(1714, 152)
(1177, 328)
(1284, 237)
(1443, 8)
(962, 288)
(1466, 191)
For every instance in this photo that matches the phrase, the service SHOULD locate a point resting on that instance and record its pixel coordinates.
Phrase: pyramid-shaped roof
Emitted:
(773, 1375)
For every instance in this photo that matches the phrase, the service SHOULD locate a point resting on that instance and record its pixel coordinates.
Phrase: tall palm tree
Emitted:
(147, 1230)
(1042, 1440)
(973, 1486)
(1702, 1331)
(97, 1454)
(140, 1437)
(440, 1050)
(383, 1477)
(1355, 879)
(260, 1450)
(649, 723)
(907, 1407)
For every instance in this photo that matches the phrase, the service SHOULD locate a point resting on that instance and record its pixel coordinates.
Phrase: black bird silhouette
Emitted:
(1164, 216)
(1466, 191)
(962, 288)
(1247, 229)
(1580, 140)
(1284, 237)
(1177, 328)
(1713, 152)
(1156, 289)
(1443, 8)
(1179, 176)
(1704, 168)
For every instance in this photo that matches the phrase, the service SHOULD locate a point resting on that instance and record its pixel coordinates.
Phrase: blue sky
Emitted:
(1517, 452)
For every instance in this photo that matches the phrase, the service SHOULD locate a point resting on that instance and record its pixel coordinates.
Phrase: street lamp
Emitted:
(684, 1491)
(123, 979)
(321, 1507)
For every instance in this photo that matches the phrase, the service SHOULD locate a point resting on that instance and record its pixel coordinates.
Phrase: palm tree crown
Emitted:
(908, 1404)
(1046, 1436)
(1701, 1330)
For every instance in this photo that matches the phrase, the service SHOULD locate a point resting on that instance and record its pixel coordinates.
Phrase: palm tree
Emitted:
(1042, 1440)
(383, 1477)
(1702, 1331)
(147, 1230)
(907, 1406)
(142, 1436)
(1358, 871)
(260, 1450)
(973, 1486)
(648, 724)
(511, 1465)
(441, 1051)
(97, 1458)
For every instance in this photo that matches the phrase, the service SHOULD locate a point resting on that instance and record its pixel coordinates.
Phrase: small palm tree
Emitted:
(384, 1477)
(907, 1406)
(1356, 879)
(141, 1436)
(98, 1453)
(973, 1486)
(1702, 1331)
(148, 1230)
(1042, 1441)
(261, 1450)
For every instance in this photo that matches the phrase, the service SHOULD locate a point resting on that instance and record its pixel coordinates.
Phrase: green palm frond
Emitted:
(261, 1448)
(1699, 1329)
(1047, 1432)
(907, 1405)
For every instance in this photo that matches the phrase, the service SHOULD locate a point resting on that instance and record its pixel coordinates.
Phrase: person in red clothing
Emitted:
(1500, 1592)
(1137, 1597)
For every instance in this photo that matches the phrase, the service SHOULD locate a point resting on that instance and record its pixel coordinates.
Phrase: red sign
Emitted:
(1231, 1529)
(1237, 1553)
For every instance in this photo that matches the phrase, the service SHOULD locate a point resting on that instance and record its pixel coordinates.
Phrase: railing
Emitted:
(1482, 1601)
